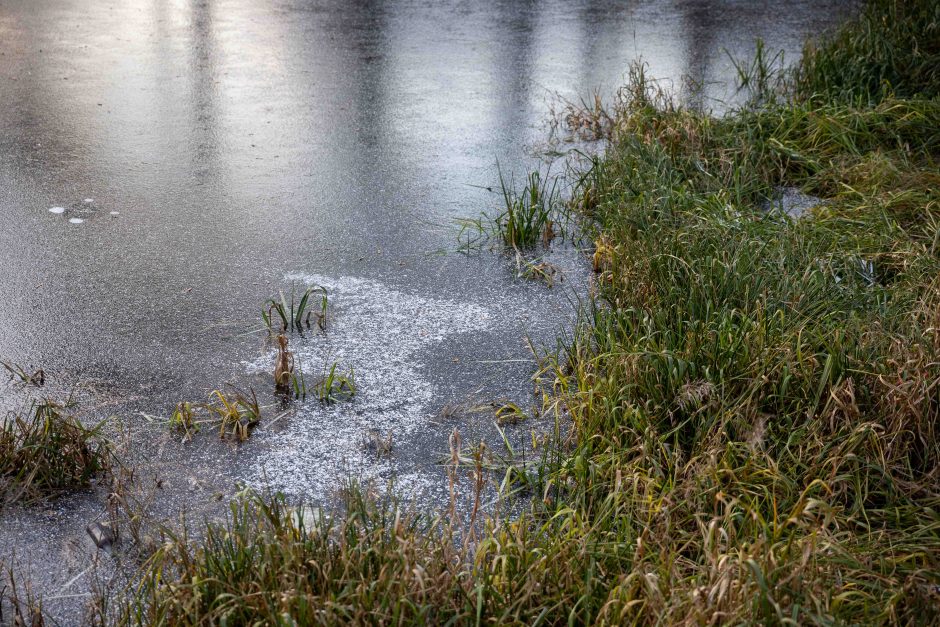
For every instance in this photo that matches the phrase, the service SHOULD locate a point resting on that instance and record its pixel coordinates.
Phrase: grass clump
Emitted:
(528, 217)
(336, 385)
(184, 420)
(295, 314)
(892, 48)
(274, 563)
(44, 451)
(237, 413)
(754, 400)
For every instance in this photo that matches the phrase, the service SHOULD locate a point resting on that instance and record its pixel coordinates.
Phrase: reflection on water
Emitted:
(241, 140)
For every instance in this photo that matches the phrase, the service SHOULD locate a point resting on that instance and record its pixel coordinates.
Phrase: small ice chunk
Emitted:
(57, 210)
(76, 220)
(793, 202)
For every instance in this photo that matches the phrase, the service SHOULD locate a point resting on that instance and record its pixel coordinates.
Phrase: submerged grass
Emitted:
(37, 378)
(753, 400)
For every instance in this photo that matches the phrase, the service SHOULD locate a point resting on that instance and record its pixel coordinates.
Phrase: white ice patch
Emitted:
(57, 210)
(76, 220)
(381, 333)
(794, 203)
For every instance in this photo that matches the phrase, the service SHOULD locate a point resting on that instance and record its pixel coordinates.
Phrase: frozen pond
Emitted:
(166, 166)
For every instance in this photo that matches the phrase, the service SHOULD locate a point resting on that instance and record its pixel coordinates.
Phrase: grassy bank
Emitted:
(753, 401)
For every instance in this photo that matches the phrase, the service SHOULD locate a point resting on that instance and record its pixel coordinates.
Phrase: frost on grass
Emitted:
(382, 333)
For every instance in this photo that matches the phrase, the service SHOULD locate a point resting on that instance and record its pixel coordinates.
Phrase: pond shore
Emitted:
(745, 415)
